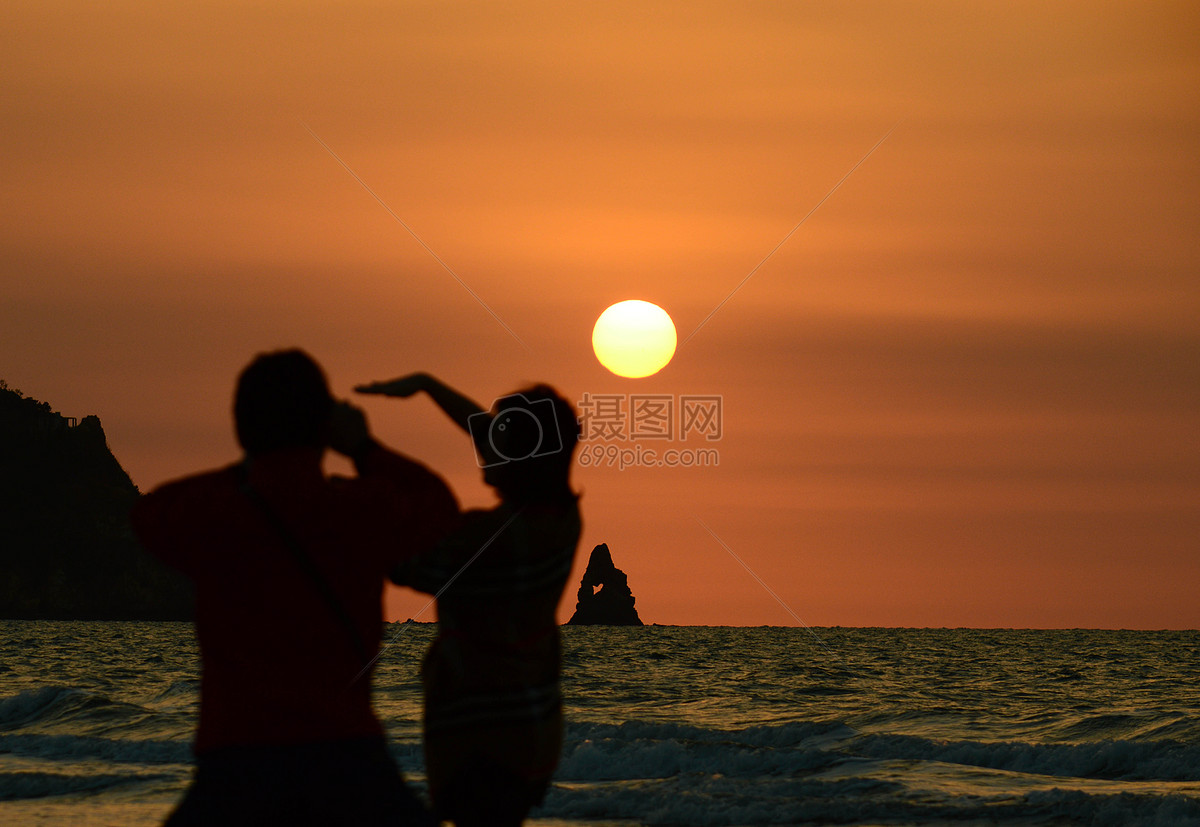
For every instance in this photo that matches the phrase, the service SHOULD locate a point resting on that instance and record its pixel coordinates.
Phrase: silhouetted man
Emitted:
(289, 568)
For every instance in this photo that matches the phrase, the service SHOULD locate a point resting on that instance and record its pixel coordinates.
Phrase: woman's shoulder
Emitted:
(519, 525)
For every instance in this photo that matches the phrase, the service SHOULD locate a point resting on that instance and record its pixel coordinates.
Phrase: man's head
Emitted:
(282, 401)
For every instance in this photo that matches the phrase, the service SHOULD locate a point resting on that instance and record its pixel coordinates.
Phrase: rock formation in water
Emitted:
(66, 549)
(612, 605)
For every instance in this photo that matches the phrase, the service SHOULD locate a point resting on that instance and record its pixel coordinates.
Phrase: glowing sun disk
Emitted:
(634, 338)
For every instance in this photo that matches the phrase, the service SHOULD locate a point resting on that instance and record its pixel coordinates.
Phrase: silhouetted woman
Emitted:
(493, 711)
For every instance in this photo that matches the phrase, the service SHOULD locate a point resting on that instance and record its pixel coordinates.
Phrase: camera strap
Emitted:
(305, 563)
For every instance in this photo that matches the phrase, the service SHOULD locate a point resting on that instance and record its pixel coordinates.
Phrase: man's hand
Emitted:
(402, 387)
(348, 431)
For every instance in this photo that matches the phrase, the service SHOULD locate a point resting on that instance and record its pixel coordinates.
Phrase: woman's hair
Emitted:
(533, 436)
(282, 401)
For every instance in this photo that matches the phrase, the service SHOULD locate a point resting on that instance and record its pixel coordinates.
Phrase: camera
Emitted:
(522, 429)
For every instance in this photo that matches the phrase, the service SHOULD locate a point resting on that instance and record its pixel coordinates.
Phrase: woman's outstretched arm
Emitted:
(456, 406)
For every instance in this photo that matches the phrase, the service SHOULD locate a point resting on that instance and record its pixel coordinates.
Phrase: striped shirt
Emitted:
(499, 579)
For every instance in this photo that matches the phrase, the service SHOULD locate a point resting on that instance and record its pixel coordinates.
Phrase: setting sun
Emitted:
(634, 338)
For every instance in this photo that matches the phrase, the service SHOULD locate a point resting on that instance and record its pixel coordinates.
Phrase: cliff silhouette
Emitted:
(612, 605)
(67, 551)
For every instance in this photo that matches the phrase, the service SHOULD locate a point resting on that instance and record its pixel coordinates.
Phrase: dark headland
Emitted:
(66, 551)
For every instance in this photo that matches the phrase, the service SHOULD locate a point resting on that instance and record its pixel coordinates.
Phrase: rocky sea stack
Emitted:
(612, 605)
(67, 551)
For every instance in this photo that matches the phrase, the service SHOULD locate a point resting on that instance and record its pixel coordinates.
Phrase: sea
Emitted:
(684, 725)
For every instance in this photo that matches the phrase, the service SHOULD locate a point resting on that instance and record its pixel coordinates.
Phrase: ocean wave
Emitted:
(713, 800)
(718, 801)
(1109, 726)
(646, 750)
(115, 751)
(1117, 810)
(15, 786)
(791, 733)
(188, 689)
(1110, 760)
(643, 750)
(58, 704)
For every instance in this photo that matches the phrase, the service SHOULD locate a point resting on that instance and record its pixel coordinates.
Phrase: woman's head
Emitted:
(530, 444)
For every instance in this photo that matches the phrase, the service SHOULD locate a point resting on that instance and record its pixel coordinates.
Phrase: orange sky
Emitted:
(965, 392)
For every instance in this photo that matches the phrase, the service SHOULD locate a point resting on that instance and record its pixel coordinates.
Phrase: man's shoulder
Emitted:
(224, 478)
(166, 519)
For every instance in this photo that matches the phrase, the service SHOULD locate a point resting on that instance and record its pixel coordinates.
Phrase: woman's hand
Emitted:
(459, 408)
(405, 386)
